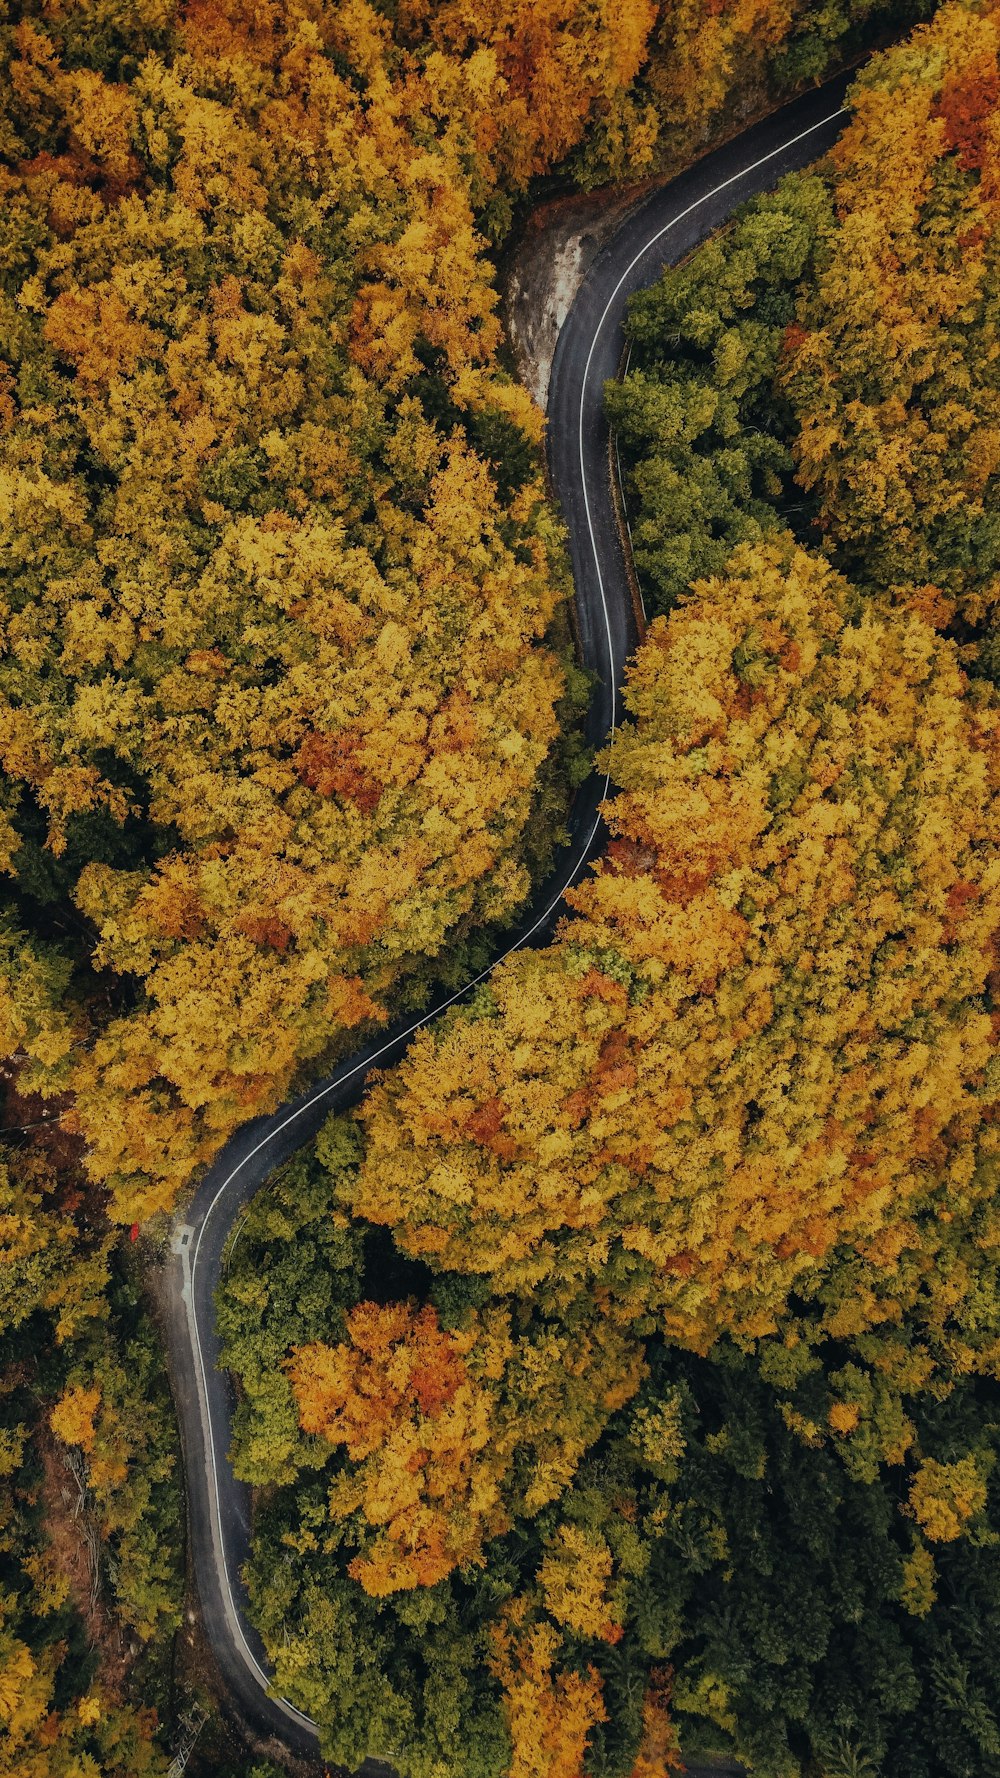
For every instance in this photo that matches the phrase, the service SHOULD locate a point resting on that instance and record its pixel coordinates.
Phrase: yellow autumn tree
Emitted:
(888, 364)
(72, 1418)
(550, 1710)
(762, 1037)
(945, 1496)
(575, 1580)
(279, 694)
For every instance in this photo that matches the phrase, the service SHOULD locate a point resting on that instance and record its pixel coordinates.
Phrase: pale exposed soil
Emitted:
(561, 240)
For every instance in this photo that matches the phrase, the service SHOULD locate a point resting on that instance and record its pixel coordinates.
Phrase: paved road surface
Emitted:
(664, 228)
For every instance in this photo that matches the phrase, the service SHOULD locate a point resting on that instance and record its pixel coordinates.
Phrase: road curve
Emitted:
(663, 228)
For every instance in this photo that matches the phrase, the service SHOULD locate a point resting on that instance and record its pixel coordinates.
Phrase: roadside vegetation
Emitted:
(287, 730)
(284, 674)
(91, 1525)
(621, 1382)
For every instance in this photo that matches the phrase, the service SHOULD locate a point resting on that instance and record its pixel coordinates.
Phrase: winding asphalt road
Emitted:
(661, 230)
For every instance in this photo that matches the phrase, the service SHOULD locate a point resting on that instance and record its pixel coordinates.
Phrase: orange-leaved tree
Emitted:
(550, 1709)
(449, 1433)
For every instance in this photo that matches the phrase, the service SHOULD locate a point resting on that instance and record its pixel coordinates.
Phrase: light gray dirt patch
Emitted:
(560, 243)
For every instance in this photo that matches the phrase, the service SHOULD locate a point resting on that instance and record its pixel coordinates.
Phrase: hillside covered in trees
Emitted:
(621, 1383)
(287, 730)
(281, 685)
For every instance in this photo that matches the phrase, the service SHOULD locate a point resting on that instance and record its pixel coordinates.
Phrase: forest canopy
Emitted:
(276, 692)
(282, 684)
(622, 1380)
(648, 1408)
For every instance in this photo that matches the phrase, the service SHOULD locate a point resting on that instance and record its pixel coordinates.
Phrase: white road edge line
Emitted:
(256, 1671)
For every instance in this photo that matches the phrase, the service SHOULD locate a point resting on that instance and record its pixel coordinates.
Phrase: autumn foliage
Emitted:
(448, 1433)
(400, 1398)
(279, 701)
(694, 1210)
(762, 1036)
(888, 368)
(277, 693)
(747, 1096)
(550, 1713)
(624, 1379)
(89, 1519)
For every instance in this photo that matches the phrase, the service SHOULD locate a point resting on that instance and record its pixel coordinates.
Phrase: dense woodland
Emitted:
(669, 1263)
(623, 1380)
(281, 685)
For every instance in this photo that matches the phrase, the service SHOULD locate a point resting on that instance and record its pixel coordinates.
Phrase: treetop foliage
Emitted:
(625, 1380)
(280, 692)
(711, 1180)
(276, 693)
(762, 1036)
